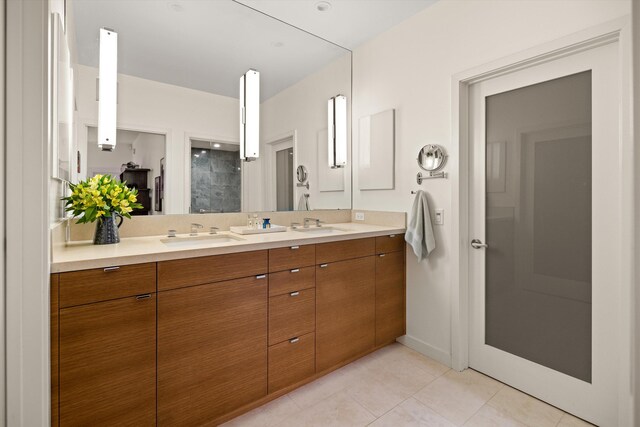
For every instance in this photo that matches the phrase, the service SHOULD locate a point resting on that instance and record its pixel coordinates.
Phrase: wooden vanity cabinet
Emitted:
(345, 305)
(292, 315)
(196, 341)
(107, 363)
(106, 346)
(212, 350)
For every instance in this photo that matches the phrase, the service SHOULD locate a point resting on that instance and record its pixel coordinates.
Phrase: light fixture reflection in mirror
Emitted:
(107, 89)
(337, 131)
(250, 116)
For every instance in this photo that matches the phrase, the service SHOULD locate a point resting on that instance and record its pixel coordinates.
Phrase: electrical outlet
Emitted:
(359, 216)
(439, 219)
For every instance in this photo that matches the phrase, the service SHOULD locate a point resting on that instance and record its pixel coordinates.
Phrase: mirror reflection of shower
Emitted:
(216, 177)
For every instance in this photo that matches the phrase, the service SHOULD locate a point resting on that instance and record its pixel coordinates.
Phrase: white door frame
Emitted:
(270, 203)
(610, 32)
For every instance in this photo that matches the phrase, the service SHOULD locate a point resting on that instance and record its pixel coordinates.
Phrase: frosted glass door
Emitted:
(544, 243)
(538, 223)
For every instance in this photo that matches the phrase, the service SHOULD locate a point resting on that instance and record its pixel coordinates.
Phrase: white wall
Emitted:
(174, 111)
(410, 68)
(636, 131)
(303, 108)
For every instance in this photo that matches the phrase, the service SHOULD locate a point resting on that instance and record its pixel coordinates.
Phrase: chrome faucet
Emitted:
(295, 225)
(213, 230)
(194, 229)
(308, 220)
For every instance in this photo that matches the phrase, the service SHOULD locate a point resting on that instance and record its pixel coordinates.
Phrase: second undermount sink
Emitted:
(325, 229)
(205, 240)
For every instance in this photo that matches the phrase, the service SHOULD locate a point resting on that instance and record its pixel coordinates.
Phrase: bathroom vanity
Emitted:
(188, 339)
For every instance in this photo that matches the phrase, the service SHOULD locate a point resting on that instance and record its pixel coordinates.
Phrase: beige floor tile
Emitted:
(458, 395)
(377, 397)
(489, 416)
(399, 352)
(411, 413)
(338, 410)
(524, 408)
(267, 415)
(312, 393)
(569, 420)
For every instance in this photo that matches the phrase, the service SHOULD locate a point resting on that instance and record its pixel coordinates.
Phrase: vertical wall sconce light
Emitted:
(337, 131)
(250, 116)
(107, 89)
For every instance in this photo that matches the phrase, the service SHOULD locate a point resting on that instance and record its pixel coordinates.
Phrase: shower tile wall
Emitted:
(215, 180)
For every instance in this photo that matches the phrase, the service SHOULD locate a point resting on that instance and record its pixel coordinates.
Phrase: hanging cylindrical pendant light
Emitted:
(337, 131)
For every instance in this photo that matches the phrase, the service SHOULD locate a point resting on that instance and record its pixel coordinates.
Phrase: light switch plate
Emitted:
(439, 219)
(359, 216)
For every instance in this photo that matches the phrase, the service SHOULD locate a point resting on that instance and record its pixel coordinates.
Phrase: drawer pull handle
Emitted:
(381, 255)
(323, 265)
(295, 270)
(293, 248)
(108, 269)
(392, 235)
(294, 294)
(261, 276)
(294, 340)
(145, 296)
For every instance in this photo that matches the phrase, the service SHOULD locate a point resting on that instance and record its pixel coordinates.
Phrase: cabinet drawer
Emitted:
(291, 361)
(291, 315)
(292, 257)
(101, 284)
(295, 279)
(391, 243)
(198, 271)
(347, 249)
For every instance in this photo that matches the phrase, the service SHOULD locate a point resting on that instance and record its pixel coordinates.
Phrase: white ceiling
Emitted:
(208, 44)
(347, 23)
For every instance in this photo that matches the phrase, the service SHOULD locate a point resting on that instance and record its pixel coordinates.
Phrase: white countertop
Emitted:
(84, 255)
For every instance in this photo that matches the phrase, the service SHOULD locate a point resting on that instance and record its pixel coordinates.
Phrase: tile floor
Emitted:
(396, 387)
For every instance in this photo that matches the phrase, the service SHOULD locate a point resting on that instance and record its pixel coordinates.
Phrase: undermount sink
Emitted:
(319, 230)
(200, 241)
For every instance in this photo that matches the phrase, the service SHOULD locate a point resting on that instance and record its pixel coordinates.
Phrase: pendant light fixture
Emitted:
(337, 131)
(107, 89)
(250, 116)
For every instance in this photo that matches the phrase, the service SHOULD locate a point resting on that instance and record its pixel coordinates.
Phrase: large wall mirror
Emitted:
(179, 65)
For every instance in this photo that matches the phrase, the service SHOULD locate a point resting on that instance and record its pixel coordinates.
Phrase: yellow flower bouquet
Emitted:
(101, 196)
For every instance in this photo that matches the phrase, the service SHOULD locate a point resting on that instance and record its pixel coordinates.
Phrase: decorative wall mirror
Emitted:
(432, 158)
(178, 77)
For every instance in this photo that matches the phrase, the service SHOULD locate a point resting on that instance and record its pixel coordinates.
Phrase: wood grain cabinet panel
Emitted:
(101, 284)
(212, 350)
(390, 297)
(53, 313)
(291, 362)
(343, 250)
(107, 362)
(292, 257)
(292, 280)
(181, 273)
(390, 243)
(345, 310)
(292, 315)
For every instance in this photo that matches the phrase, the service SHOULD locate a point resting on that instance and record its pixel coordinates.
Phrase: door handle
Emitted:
(477, 244)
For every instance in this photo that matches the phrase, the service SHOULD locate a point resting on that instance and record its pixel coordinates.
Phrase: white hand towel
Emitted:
(420, 233)
(303, 203)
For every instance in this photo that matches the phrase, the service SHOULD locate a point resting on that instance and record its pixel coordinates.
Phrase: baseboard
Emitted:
(426, 349)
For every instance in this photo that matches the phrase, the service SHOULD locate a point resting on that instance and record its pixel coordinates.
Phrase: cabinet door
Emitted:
(212, 350)
(345, 310)
(390, 297)
(107, 364)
